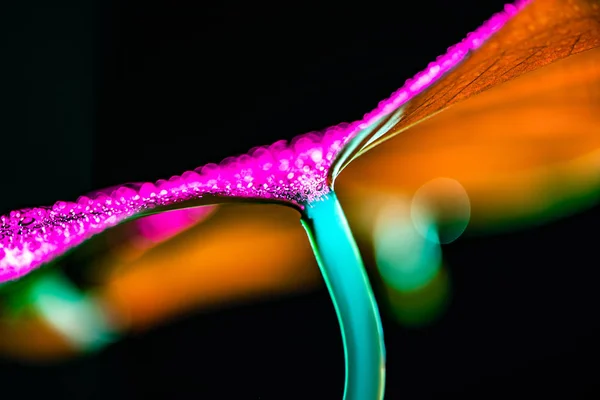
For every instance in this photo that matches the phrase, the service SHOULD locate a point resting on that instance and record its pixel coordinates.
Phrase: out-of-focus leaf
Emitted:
(241, 252)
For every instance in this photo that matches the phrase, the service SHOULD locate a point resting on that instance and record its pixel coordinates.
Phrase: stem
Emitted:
(348, 284)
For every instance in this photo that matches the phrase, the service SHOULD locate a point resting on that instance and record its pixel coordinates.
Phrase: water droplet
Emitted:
(26, 221)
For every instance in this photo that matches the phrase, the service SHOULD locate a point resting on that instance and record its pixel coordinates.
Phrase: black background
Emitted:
(95, 94)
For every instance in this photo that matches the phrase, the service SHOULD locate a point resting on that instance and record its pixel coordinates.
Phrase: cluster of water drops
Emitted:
(294, 173)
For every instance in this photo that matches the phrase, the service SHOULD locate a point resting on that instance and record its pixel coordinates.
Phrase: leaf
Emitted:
(544, 32)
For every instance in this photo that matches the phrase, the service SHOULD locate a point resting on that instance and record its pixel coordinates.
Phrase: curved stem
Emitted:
(348, 284)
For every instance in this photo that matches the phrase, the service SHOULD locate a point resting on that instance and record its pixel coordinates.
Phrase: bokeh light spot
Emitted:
(79, 318)
(406, 260)
(446, 202)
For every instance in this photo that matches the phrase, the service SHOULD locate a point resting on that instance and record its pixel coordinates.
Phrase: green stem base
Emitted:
(348, 284)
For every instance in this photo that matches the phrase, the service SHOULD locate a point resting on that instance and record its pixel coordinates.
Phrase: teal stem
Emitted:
(350, 291)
